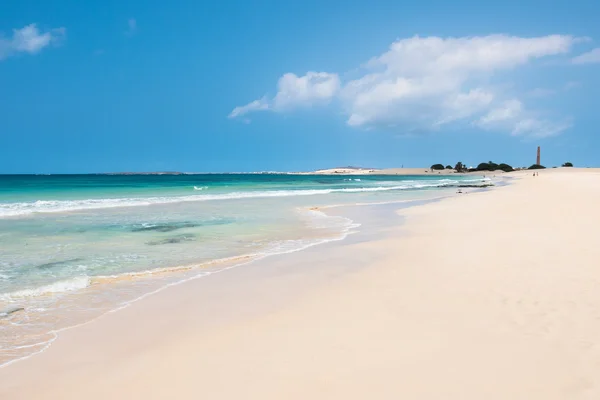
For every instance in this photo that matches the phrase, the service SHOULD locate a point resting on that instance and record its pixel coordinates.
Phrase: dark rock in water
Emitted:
(9, 311)
(476, 186)
(167, 227)
(173, 226)
(172, 240)
(57, 263)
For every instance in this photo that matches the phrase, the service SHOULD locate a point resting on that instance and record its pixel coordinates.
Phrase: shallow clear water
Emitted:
(73, 247)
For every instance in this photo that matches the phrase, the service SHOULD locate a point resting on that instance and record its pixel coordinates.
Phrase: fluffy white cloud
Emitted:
(312, 88)
(256, 105)
(295, 91)
(511, 116)
(30, 40)
(432, 55)
(540, 128)
(424, 83)
(509, 111)
(590, 57)
(427, 82)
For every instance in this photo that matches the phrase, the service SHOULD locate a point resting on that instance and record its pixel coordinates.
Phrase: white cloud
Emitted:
(312, 88)
(432, 55)
(424, 83)
(591, 57)
(540, 128)
(256, 105)
(295, 91)
(29, 40)
(513, 117)
(508, 111)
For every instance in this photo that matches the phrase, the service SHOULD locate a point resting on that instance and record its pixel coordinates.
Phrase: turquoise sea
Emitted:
(73, 247)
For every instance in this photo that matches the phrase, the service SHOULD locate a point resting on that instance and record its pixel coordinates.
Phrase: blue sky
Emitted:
(102, 86)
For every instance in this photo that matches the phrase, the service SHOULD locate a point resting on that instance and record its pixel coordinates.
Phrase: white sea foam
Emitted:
(49, 206)
(318, 220)
(68, 285)
(486, 179)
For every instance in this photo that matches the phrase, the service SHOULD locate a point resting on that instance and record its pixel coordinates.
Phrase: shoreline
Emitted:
(198, 271)
(254, 259)
(181, 274)
(467, 298)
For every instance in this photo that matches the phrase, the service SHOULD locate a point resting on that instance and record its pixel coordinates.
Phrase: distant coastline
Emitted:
(330, 171)
(144, 173)
(350, 170)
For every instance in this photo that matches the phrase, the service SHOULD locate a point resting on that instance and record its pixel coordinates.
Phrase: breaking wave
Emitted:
(49, 206)
(68, 285)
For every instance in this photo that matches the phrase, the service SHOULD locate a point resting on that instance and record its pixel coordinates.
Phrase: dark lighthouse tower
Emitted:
(538, 161)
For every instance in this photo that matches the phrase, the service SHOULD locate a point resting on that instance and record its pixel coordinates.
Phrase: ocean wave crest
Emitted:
(68, 285)
(49, 206)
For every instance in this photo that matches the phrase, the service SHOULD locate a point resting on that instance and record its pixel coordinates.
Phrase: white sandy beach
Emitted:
(488, 295)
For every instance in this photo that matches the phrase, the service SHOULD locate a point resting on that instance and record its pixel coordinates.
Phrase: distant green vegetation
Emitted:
(567, 164)
(505, 167)
(485, 166)
(537, 166)
(492, 166)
